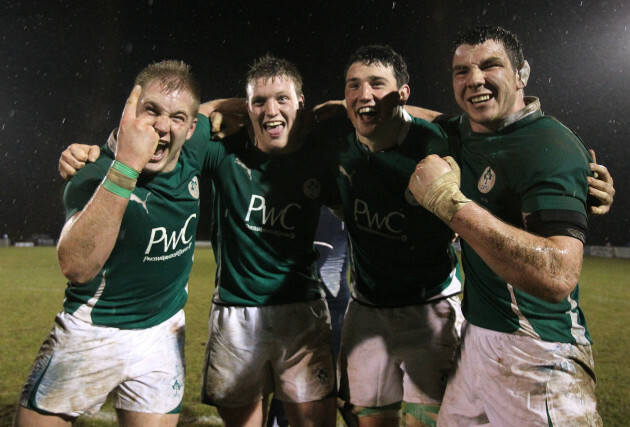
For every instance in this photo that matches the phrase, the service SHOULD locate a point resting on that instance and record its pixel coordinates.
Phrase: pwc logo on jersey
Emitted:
(170, 243)
(271, 219)
(388, 225)
(487, 180)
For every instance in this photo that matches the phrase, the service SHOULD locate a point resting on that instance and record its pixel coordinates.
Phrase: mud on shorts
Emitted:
(254, 351)
(79, 364)
(508, 379)
(398, 354)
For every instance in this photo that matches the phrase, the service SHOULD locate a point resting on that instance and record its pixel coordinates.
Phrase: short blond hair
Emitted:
(173, 75)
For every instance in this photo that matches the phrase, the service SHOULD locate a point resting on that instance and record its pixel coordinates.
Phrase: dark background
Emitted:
(67, 67)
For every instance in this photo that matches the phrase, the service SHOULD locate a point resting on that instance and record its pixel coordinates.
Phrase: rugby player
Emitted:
(126, 250)
(401, 330)
(526, 353)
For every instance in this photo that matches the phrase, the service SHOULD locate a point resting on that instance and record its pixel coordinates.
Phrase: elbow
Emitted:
(560, 289)
(75, 271)
(75, 276)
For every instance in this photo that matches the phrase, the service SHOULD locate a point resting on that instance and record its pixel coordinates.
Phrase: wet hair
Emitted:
(383, 55)
(173, 75)
(269, 66)
(481, 34)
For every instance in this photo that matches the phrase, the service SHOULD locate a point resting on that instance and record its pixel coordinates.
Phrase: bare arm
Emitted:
(227, 116)
(88, 238)
(331, 109)
(547, 268)
(225, 106)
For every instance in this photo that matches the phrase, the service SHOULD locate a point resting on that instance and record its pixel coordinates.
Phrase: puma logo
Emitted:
(345, 173)
(137, 199)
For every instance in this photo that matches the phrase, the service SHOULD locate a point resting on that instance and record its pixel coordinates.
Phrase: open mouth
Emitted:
(159, 151)
(480, 98)
(274, 128)
(367, 113)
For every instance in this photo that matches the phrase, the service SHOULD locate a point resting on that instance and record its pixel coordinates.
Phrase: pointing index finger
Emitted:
(129, 113)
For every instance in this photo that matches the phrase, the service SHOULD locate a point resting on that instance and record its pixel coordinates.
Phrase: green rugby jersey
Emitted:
(401, 254)
(144, 281)
(266, 210)
(533, 164)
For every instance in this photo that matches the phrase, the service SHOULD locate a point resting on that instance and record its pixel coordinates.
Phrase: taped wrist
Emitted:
(444, 198)
(120, 180)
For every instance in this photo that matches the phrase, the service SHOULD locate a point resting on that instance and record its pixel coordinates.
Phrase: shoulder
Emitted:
(429, 128)
(546, 140)
(449, 122)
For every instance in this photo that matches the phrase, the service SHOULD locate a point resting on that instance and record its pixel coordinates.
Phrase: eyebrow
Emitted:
(486, 61)
(371, 78)
(158, 107)
(262, 97)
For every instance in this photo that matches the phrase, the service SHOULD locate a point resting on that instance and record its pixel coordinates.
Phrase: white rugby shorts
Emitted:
(254, 351)
(506, 379)
(79, 364)
(398, 354)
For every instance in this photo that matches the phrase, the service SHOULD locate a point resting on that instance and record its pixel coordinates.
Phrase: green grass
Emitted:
(31, 293)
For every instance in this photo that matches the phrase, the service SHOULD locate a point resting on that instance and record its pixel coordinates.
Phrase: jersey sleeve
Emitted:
(556, 178)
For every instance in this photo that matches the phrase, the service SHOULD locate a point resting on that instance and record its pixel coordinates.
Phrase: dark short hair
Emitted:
(173, 75)
(269, 66)
(479, 35)
(383, 55)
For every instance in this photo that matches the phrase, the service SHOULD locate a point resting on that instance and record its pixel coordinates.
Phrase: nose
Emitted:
(476, 77)
(162, 124)
(271, 107)
(365, 91)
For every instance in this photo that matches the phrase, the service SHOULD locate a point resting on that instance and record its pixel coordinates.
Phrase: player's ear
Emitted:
(404, 93)
(523, 74)
(301, 102)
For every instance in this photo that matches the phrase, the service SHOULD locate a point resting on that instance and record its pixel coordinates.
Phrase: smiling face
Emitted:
(172, 115)
(486, 85)
(373, 99)
(273, 104)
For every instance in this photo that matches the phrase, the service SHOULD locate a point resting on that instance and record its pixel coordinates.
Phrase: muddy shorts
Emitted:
(79, 364)
(398, 354)
(254, 351)
(507, 379)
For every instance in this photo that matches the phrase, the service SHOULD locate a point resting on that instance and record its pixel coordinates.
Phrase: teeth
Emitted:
(273, 124)
(479, 98)
(367, 110)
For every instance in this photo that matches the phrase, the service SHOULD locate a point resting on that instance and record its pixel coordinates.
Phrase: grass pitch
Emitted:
(31, 293)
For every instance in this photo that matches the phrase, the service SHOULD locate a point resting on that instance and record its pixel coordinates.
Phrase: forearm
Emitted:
(224, 106)
(88, 238)
(547, 268)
